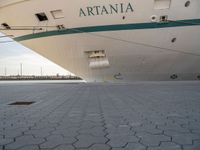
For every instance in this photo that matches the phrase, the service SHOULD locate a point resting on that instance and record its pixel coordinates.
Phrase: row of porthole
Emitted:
(175, 76)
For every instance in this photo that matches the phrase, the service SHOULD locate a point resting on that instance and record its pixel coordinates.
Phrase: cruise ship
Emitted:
(110, 40)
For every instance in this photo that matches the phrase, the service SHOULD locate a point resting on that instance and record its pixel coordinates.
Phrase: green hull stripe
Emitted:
(90, 29)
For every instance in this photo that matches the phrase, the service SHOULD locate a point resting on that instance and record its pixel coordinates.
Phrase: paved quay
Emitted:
(137, 116)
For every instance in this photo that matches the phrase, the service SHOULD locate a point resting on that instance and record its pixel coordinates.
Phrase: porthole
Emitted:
(187, 4)
(123, 17)
(174, 76)
(173, 40)
(154, 18)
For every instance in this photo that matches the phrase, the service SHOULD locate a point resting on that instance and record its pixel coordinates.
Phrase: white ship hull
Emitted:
(129, 46)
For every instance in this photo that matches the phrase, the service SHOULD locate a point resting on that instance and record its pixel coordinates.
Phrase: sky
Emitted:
(12, 54)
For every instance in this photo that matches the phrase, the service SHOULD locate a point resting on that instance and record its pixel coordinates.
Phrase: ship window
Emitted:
(22, 103)
(173, 40)
(60, 27)
(154, 18)
(162, 4)
(57, 14)
(187, 4)
(163, 18)
(41, 16)
(5, 26)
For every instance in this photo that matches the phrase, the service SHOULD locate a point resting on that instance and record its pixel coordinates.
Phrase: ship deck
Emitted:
(137, 116)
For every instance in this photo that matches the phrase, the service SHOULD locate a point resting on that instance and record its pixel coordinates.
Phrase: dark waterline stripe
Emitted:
(137, 26)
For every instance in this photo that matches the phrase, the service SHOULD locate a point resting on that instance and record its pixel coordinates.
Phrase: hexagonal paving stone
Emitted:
(195, 146)
(44, 125)
(24, 141)
(132, 146)
(166, 146)
(97, 147)
(147, 128)
(30, 147)
(66, 125)
(13, 133)
(196, 131)
(121, 130)
(90, 124)
(69, 132)
(85, 141)
(94, 118)
(56, 140)
(178, 119)
(121, 141)
(115, 121)
(174, 128)
(64, 147)
(95, 131)
(73, 121)
(4, 141)
(182, 138)
(41, 133)
(193, 126)
(16, 125)
(151, 139)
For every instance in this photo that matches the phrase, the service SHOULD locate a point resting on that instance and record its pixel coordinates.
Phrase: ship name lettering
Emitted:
(106, 10)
